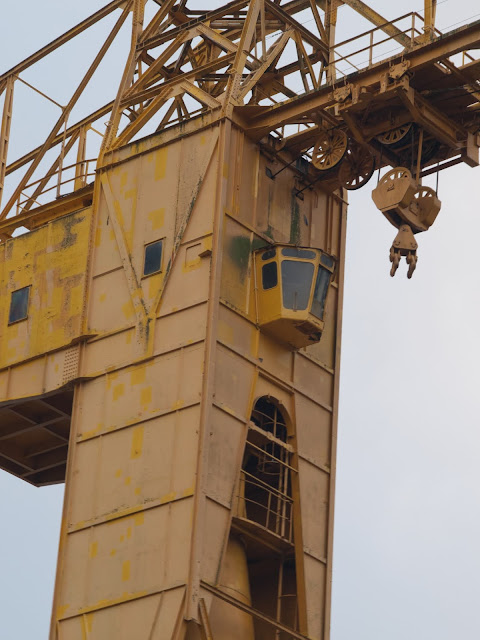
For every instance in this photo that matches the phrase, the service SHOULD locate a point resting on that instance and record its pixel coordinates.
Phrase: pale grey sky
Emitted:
(407, 531)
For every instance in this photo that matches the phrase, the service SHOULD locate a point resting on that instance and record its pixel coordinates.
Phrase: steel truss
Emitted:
(241, 61)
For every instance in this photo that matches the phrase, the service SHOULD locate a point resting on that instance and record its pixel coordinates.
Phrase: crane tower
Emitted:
(170, 323)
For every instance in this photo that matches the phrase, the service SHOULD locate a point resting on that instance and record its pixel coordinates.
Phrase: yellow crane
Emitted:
(170, 323)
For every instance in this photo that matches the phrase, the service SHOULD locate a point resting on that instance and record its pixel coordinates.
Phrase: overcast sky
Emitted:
(407, 531)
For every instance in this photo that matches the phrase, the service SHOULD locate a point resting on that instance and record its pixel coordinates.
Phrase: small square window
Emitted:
(153, 258)
(19, 305)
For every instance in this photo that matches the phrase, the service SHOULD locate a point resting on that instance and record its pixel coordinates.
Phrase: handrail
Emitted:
(84, 174)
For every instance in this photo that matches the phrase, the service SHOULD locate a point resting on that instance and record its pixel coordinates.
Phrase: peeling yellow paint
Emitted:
(154, 283)
(128, 310)
(157, 218)
(161, 163)
(128, 480)
(93, 550)
(111, 377)
(126, 570)
(88, 621)
(169, 497)
(131, 194)
(118, 391)
(57, 277)
(138, 375)
(118, 473)
(113, 552)
(138, 519)
(62, 609)
(137, 442)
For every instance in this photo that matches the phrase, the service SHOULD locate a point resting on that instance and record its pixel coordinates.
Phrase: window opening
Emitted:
(264, 498)
(271, 253)
(327, 260)
(265, 492)
(19, 305)
(296, 284)
(320, 292)
(153, 258)
(269, 275)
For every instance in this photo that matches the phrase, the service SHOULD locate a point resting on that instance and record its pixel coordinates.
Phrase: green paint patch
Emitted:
(239, 251)
(258, 243)
(295, 220)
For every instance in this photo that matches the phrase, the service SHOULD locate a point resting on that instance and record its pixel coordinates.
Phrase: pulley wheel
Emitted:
(394, 136)
(357, 167)
(329, 150)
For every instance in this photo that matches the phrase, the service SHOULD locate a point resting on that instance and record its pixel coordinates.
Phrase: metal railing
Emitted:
(369, 47)
(82, 171)
(259, 502)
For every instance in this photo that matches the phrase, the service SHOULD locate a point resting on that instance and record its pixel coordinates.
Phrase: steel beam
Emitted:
(58, 42)
(379, 21)
(269, 118)
(78, 92)
(5, 131)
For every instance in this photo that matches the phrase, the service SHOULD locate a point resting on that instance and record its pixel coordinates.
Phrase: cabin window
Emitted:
(269, 275)
(296, 284)
(153, 258)
(295, 252)
(320, 292)
(19, 305)
(267, 255)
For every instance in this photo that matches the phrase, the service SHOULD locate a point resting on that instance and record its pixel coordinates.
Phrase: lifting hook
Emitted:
(404, 245)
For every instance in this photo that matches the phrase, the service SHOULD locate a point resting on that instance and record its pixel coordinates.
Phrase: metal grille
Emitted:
(259, 502)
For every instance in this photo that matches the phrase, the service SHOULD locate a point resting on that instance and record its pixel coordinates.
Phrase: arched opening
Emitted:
(265, 491)
(263, 517)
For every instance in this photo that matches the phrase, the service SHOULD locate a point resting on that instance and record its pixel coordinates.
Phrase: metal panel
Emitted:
(127, 558)
(56, 278)
(314, 431)
(150, 463)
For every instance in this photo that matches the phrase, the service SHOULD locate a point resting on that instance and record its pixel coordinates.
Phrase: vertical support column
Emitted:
(5, 131)
(208, 384)
(81, 169)
(430, 11)
(330, 26)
